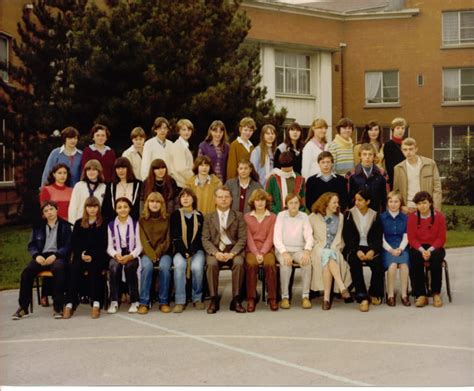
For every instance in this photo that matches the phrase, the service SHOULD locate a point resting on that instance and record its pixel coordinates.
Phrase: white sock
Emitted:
(114, 303)
(69, 305)
(96, 304)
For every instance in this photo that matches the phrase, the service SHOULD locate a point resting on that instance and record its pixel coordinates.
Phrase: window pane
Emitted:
(451, 84)
(458, 156)
(303, 80)
(373, 87)
(279, 59)
(290, 60)
(290, 82)
(467, 92)
(467, 76)
(459, 136)
(390, 94)
(3, 56)
(390, 79)
(441, 136)
(467, 35)
(450, 28)
(279, 79)
(441, 157)
(303, 61)
(467, 19)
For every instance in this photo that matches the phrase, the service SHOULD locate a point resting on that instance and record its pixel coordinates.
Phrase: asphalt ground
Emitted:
(388, 346)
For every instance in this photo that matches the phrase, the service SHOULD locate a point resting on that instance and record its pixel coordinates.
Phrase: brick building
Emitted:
(362, 59)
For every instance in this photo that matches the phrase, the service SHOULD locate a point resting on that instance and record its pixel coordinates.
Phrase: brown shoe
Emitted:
(143, 309)
(273, 304)
(326, 305)
(44, 301)
(199, 305)
(165, 308)
(213, 306)
(421, 301)
(375, 300)
(364, 306)
(345, 294)
(67, 313)
(391, 301)
(437, 302)
(250, 305)
(406, 301)
(95, 312)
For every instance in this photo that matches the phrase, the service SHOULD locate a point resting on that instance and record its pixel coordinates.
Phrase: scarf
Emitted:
(185, 236)
(284, 176)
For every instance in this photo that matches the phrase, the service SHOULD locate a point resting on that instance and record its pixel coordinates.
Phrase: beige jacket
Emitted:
(429, 180)
(319, 231)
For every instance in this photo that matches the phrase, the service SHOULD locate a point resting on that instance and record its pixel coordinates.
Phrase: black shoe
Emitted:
(213, 306)
(236, 306)
(20, 313)
(57, 314)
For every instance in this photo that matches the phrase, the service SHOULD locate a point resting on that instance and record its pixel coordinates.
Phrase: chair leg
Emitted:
(446, 277)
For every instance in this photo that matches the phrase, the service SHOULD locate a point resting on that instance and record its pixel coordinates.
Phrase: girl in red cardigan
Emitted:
(426, 236)
(99, 151)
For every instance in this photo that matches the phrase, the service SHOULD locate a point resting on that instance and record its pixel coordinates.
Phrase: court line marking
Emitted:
(227, 336)
(264, 357)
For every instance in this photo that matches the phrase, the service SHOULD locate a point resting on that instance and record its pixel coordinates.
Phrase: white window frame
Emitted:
(369, 89)
(458, 41)
(3, 173)
(298, 69)
(459, 85)
(4, 74)
(450, 148)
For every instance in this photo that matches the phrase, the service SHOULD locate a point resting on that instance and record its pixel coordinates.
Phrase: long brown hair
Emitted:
(167, 180)
(91, 201)
(287, 139)
(321, 204)
(263, 145)
(94, 164)
(217, 125)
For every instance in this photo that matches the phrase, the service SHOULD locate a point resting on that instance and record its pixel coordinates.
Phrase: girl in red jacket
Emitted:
(426, 236)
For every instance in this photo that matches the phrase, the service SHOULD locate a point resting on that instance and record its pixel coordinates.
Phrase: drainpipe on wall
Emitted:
(342, 46)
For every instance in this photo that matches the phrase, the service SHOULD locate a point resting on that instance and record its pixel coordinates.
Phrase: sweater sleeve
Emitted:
(232, 162)
(146, 160)
(48, 166)
(278, 235)
(165, 244)
(110, 244)
(308, 234)
(147, 249)
(440, 240)
(74, 203)
(306, 161)
(268, 244)
(44, 195)
(250, 242)
(412, 231)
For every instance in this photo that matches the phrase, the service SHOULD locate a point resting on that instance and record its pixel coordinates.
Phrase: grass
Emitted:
(14, 241)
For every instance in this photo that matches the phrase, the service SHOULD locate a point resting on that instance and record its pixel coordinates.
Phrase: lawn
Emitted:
(14, 240)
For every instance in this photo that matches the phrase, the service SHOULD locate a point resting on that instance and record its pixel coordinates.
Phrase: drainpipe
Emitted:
(342, 46)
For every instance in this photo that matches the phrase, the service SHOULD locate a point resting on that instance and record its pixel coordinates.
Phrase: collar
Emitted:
(197, 182)
(298, 216)
(360, 170)
(247, 144)
(183, 141)
(393, 214)
(331, 175)
(62, 149)
(162, 143)
(93, 147)
(54, 226)
(318, 144)
(267, 213)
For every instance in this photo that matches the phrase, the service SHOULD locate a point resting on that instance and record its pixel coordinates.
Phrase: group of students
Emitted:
(330, 208)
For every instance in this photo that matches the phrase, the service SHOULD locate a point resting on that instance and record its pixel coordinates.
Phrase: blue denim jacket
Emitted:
(393, 228)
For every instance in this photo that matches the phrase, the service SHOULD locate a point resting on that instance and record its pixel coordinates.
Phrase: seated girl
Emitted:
(362, 235)
(89, 254)
(124, 248)
(395, 254)
(154, 236)
(426, 236)
(260, 224)
(326, 257)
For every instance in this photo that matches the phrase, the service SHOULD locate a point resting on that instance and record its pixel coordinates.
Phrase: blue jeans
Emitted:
(146, 277)
(197, 274)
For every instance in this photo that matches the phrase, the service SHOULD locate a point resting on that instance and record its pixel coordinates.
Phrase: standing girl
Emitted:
(216, 146)
(293, 143)
(91, 185)
(158, 179)
(99, 151)
(181, 158)
(123, 184)
(427, 236)
(89, 247)
(186, 233)
(124, 248)
(395, 254)
(262, 156)
(57, 189)
(315, 144)
(204, 183)
(372, 135)
(154, 236)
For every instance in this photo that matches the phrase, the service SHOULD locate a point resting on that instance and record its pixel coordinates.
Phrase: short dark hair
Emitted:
(203, 159)
(344, 123)
(286, 159)
(98, 127)
(190, 192)
(365, 194)
(324, 155)
(51, 180)
(49, 203)
(69, 132)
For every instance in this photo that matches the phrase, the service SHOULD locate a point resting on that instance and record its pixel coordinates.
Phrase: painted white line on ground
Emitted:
(227, 336)
(250, 353)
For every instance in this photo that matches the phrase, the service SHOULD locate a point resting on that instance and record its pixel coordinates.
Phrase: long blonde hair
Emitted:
(91, 201)
(317, 123)
(154, 196)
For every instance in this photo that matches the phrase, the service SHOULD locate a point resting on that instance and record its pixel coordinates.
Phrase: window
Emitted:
(458, 85)
(6, 159)
(381, 87)
(458, 28)
(449, 141)
(292, 73)
(4, 56)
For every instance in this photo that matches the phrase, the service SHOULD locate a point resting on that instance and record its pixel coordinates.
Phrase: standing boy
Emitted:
(392, 148)
(135, 152)
(241, 147)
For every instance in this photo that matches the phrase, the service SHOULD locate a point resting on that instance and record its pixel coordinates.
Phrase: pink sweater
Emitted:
(425, 233)
(259, 235)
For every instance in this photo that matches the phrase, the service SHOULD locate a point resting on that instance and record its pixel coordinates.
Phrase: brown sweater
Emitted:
(236, 152)
(155, 237)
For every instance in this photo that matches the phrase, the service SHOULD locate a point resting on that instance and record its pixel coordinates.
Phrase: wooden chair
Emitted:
(444, 265)
(44, 273)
